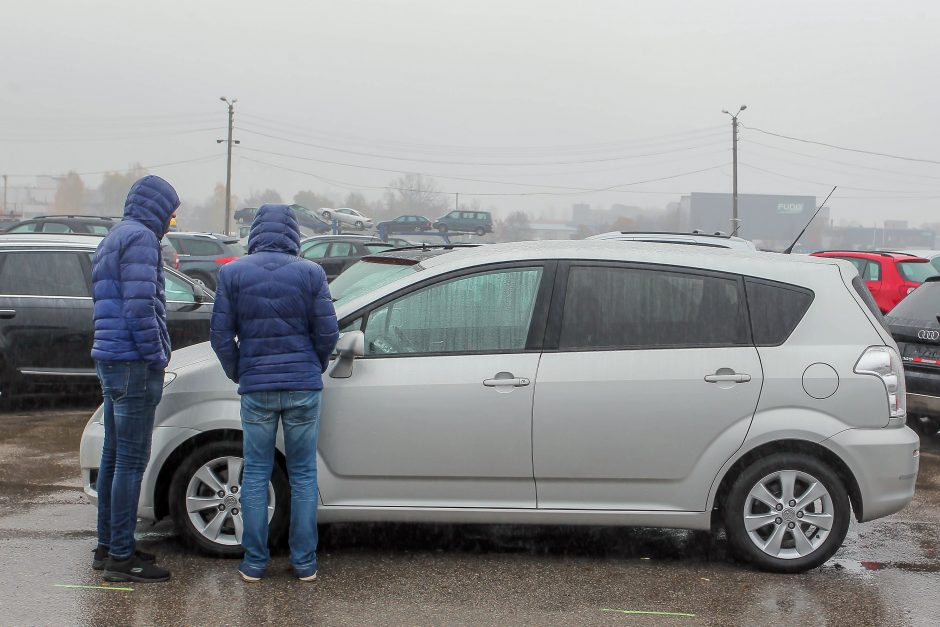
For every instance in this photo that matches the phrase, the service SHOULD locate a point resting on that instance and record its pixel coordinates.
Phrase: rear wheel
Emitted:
(360, 225)
(327, 215)
(480, 231)
(205, 500)
(787, 513)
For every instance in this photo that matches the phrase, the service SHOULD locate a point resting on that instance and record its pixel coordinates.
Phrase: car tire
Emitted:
(360, 226)
(480, 231)
(781, 544)
(189, 486)
(327, 215)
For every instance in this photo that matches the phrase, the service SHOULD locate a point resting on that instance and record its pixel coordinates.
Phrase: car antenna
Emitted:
(818, 209)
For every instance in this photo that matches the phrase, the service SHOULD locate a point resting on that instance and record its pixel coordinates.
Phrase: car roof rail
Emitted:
(74, 215)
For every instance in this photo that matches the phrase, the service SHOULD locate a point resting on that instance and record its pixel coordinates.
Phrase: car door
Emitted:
(647, 385)
(46, 325)
(188, 311)
(438, 413)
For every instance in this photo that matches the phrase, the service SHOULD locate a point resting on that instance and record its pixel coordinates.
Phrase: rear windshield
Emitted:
(916, 271)
(366, 276)
(921, 304)
(235, 248)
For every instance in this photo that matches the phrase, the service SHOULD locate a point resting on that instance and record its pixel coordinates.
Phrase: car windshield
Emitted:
(366, 276)
(921, 304)
(916, 271)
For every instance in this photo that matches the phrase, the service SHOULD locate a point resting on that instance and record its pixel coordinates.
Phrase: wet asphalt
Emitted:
(887, 573)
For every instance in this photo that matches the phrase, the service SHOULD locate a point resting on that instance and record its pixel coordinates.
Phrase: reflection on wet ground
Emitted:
(886, 573)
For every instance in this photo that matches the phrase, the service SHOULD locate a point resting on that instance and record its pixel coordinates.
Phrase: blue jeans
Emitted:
(131, 394)
(299, 412)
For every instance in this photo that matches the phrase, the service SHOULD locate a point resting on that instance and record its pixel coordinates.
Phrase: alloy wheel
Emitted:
(213, 500)
(788, 514)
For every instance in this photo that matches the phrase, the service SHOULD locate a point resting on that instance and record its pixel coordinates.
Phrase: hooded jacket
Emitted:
(127, 279)
(273, 323)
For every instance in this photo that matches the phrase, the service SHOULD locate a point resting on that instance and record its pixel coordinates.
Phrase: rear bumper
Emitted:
(884, 463)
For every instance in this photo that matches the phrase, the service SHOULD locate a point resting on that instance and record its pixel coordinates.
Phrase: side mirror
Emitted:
(200, 291)
(349, 347)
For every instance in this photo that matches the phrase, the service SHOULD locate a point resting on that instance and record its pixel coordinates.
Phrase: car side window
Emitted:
(608, 307)
(177, 290)
(872, 271)
(377, 248)
(317, 251)
(201, 248)
(24, 228)
(98, 229)
(453, 214)
(40, 273)
(488, 312)
(341, 249)
(56, 227)
(776, 309)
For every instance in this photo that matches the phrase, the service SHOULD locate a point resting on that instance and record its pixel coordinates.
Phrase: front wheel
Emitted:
(360, 225)
(480, 231)
(205, 500)
(327, 215)
(787, 513)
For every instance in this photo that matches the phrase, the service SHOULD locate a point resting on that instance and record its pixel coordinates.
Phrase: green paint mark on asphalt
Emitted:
(651, 613)
(66, 585)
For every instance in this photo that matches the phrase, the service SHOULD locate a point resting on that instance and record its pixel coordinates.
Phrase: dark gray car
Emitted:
(202, 255)
(335, 253)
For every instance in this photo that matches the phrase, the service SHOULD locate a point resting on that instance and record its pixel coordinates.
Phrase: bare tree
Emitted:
(70, 194)
(415, 193)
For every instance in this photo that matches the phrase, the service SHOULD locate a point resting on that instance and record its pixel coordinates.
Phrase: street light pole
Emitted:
(228, 166)
(735, 223)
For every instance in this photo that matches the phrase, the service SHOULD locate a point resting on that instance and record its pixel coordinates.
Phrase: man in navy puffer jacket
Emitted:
(131, 351)
(274, 329)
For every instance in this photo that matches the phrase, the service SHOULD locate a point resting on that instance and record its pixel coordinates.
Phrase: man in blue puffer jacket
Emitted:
(131, 351)
(274, 329)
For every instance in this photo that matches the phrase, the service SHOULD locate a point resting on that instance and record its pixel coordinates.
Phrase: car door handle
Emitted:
(728, 378)
(7, 313)
(496, 383)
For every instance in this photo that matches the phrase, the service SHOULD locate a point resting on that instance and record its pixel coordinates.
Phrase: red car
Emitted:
(889, 276)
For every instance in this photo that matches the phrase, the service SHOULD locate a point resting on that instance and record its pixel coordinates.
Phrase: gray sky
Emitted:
(632, 90)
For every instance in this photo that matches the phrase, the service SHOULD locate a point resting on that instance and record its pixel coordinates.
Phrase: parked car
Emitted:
(479, 222)
(306, 218)
(347, 216)
(695, 238)
(889, 276)
(7, 222)
(202, 255)
(915, 325)
(573, 383)
(335, 253)
(46, 322)
(86, 225)
(933, 256)
(405, 224)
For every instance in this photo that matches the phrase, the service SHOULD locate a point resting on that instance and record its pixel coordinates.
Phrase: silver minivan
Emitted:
(613, 383)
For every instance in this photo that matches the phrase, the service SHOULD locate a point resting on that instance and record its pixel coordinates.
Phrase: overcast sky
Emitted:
(553, 95)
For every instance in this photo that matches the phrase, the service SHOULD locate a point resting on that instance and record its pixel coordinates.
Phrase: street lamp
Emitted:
(734, 169)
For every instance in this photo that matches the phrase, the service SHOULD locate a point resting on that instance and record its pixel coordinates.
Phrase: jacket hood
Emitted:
(274, 229)
(152, 202)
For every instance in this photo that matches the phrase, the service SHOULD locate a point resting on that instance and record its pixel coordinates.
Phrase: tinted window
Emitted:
(872, 271)
(921, 304)
(24, 228)
(317, 251)
(610, 307)
(178, 290)
(775, 309)
(916, 271)
(56, 227)
(201, 247)
(42, 274)
(98, 229)
(377, 248)
(479, 313)
(342, 249)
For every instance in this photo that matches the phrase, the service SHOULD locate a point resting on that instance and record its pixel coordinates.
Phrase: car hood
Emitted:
(190, 356)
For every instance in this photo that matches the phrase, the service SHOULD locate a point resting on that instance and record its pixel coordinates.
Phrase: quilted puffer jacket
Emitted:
(127, 279)
(273, 322)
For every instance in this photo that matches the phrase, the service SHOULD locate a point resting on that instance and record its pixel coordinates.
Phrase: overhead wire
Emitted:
(112, 138)
(802, 180)
(206, 158)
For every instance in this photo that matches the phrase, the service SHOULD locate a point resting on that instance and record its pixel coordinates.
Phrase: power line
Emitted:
(143, 167)
(860, 189)
(611, 188)
(864, 152)
(473, 163)
(289, 127)
(113, 138)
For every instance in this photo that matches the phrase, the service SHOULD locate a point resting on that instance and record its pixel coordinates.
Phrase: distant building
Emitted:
(771, 221)
(33, 198)
(552, 230)
(873, 238)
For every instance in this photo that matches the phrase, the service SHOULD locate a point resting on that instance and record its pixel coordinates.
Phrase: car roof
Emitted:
(49, 239)
(869, 254)
(332, 238)
(705, 239)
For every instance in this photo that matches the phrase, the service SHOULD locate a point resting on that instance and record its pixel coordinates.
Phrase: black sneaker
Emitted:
(101, 556)
(134, 569)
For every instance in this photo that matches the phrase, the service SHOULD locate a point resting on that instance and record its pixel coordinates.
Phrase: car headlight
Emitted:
(168, 378)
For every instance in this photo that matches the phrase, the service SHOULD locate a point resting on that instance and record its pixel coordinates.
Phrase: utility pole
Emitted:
(228, 166)
(456, 201)
(4, 195)
(735, 223)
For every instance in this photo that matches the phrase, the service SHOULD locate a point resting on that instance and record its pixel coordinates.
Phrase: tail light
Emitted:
(176, 261)
(885, 363)
(224, 260)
